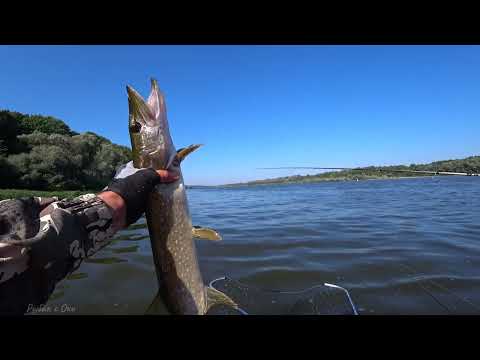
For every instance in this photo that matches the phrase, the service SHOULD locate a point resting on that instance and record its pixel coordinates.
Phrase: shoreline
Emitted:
(17, 193)
(321, 180)
(404, 177)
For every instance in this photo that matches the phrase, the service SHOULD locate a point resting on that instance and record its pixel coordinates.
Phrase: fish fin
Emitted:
(183, 152)
(205, 233)
(215, 297)
(156, 307)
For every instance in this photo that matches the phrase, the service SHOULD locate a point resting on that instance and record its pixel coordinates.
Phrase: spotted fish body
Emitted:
(181, 285)
(171, 231)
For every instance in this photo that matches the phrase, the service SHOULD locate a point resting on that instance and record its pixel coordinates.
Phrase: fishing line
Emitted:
(366, 170)
(443, 288)
(429, 293)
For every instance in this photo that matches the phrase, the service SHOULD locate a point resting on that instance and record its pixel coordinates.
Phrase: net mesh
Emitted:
(318, 300)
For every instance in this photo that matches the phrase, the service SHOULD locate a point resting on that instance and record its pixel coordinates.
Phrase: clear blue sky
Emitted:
(258, 106)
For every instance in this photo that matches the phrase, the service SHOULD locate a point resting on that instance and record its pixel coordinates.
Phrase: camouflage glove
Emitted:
(134, 185)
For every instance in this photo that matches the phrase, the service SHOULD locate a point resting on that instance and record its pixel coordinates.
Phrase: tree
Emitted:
(8, 174)
(40, 152)
(45, 124)
(8, 132)
(101, 158)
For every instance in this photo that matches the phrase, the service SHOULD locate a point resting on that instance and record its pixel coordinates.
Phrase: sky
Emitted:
(263, 106)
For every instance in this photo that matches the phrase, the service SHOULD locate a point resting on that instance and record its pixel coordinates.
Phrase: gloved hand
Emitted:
(134, 185)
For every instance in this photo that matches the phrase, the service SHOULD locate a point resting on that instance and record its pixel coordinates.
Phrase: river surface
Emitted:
(404, 246)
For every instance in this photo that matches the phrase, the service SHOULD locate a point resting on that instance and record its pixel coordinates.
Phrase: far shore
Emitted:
(403, 177)
(61, 194)
(314, 181)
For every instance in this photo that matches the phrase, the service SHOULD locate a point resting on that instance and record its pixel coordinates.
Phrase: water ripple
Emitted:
(409, 246)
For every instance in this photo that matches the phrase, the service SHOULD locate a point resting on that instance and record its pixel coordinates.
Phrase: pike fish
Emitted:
(181, 286)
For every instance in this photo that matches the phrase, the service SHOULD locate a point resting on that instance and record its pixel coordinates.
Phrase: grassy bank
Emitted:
(61, 194)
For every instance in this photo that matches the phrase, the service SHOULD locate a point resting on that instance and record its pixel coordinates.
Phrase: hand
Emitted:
(127, 194)
(128, 169)
(167, 176)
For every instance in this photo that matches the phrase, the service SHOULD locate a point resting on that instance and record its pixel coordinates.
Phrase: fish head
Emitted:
(152, 145)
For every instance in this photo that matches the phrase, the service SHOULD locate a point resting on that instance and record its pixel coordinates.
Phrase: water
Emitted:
(407, 246)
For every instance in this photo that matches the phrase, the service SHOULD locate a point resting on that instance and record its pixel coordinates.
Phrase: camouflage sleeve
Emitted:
(70, 230)
(95, 219)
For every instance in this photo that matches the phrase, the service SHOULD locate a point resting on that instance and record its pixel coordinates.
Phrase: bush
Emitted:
(42, 153)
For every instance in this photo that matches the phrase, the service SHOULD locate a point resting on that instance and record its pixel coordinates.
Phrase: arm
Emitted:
(117, 205)
(68, 231)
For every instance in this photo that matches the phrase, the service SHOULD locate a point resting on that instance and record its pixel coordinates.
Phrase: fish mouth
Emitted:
(140, 113)
(148, 126)
(146, 113)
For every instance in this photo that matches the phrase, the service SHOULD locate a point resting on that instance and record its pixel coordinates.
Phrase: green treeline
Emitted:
(43, 153)
(468, 165)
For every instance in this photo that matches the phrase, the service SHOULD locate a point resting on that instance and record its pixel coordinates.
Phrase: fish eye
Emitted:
(135, 127)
